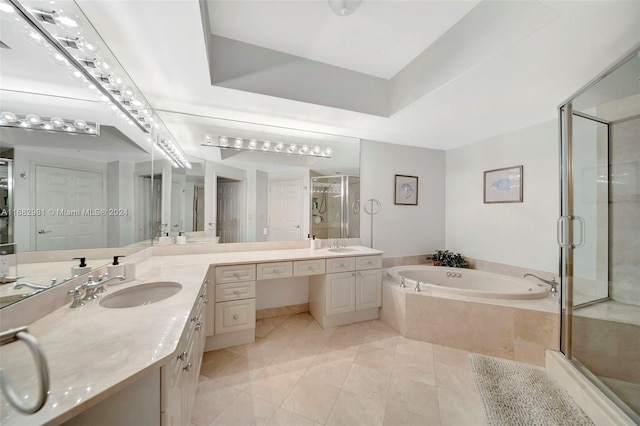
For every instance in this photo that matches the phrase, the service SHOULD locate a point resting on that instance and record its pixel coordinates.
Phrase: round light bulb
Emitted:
(222, 140)
(238, 143)
(70, 128)
(207, 139)
(80, 124)
(9, 116)
(279, 147)
(252, 143)
(266, 145)
(304, 149)
(47, 126)
(33, 119)
(25, 124)
(57, 122)
(90, 129)
(316, 150)
(292, 148)
(327, 152)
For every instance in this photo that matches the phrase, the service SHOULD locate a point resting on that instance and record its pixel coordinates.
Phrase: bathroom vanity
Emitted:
(140, 365)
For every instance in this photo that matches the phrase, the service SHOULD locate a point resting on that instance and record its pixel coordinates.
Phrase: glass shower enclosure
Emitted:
(335, 206)
(599, 232)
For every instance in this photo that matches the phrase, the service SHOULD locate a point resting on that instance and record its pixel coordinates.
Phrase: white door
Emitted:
(228, 210)
(368, 289)
(74, 211)
(285, 210)
(340, 293)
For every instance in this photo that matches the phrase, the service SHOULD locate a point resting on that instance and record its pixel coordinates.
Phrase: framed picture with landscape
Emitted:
(406, 190)
(503, 185)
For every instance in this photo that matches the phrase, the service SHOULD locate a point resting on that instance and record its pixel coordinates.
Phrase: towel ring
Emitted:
(41, 364)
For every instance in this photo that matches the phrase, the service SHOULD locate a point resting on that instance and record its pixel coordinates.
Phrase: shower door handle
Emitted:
(560, 227)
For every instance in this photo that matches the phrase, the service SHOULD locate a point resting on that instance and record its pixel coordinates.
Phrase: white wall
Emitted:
(402, 230)
(519, 234)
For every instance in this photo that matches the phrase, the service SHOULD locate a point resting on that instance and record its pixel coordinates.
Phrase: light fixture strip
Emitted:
(58, 46)
(172, 153)
(290, 148)
(51, 124)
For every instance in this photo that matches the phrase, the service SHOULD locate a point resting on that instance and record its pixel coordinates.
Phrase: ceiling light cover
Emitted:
(50, 124)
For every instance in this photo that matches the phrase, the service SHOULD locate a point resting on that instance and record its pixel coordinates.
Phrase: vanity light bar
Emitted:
(172, 153)
(38, 18)
(226, 142)
(49, 124)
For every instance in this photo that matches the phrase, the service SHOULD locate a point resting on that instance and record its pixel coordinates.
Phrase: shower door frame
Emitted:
(566, 239)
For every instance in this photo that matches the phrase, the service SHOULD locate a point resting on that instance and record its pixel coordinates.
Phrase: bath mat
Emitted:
(514, 394)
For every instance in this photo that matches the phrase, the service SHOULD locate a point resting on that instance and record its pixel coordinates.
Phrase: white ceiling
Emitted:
(379, 38)
(161, 44)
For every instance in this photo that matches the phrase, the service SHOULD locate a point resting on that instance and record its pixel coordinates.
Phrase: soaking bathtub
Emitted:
(467, 282)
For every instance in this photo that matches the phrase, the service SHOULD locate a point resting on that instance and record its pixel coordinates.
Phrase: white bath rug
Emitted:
(514, 394)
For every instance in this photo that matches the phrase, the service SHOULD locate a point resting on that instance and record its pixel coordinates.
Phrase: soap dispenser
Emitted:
(115, 268)
(81, 269)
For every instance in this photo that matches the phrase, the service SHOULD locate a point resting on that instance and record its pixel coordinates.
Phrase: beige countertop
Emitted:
(93, 352)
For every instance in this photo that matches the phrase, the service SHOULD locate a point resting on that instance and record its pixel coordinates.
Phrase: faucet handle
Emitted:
(77, 297)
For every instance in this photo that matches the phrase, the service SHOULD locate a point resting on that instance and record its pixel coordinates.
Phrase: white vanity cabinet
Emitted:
(351, 291)
(179, 377)
(234, 312)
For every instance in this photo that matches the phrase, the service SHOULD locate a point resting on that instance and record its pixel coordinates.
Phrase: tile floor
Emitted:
(298, 374)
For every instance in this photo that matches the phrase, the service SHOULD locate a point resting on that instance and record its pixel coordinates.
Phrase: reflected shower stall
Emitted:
(335, 207)
(599, 232)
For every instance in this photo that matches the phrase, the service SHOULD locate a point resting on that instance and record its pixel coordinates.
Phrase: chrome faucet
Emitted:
(92, 287)
(552, 282)
(417, 286)
(402, 282)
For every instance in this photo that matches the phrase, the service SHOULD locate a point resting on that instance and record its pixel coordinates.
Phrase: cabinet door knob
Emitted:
(187, 367)
(235, 316)
(182, 356)
(236, 292)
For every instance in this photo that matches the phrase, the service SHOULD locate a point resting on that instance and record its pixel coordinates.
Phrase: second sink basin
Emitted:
(345, 250)
(143, 294)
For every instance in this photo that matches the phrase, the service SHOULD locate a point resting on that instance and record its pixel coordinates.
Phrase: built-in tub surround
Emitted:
(512, 329)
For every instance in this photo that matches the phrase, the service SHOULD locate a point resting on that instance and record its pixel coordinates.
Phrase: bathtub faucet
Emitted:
(402, 282)
(417, 286)
(552, 282)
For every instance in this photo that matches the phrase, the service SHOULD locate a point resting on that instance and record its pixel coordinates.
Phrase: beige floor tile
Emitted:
(415, 348)
(460, 407)
(246, 410)
(240, 372)
(367, 382)
(273, 384)
(292, 362)
(396, 415)
(380, 360)
(212, 398)
(414, 368)
(215, 361)
(332, 372)
(451, 356)
(416, 397)
(266, 350)
(287, 418)
(312, 399)
(352, 409)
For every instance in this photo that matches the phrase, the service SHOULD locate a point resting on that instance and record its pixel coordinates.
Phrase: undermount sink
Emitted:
(345, 250)
(143, 294)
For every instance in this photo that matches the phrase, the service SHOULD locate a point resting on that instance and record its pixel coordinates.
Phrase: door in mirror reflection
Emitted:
(229, 210)
(285, 210)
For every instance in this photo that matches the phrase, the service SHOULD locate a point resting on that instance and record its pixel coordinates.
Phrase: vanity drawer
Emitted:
(233, 291)
(235, 273)
(302, 268)
(268, 271)
(235, 316)
(341, 264)
(368, 262)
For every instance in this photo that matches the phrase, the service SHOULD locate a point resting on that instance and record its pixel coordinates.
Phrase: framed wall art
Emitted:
(406, 190)
(503, 185)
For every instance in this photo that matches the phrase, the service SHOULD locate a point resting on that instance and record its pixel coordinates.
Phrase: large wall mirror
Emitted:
(93, 189)
(64, 192)
(248, 195)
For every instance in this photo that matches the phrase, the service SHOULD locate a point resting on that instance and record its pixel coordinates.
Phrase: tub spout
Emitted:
(552, 282)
